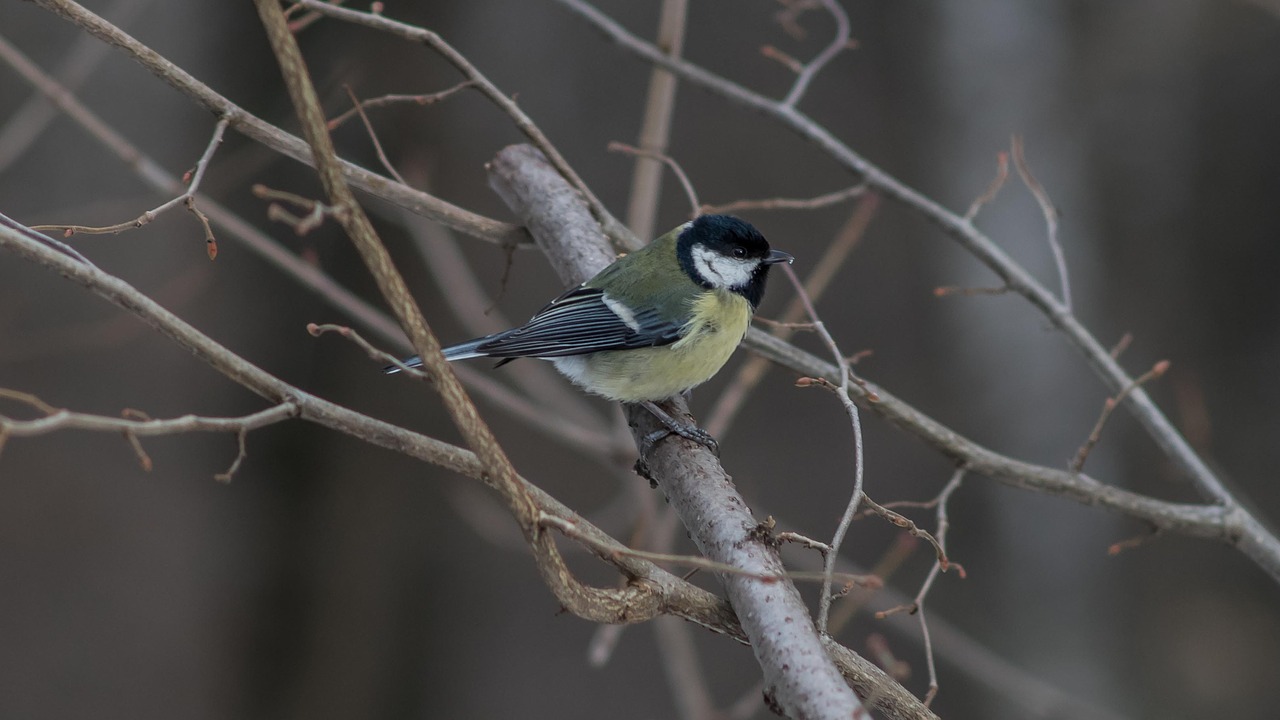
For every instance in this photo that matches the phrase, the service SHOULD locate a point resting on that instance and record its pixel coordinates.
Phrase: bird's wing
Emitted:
(583, 320)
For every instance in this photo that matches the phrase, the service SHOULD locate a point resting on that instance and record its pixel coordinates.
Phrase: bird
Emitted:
(654, 324)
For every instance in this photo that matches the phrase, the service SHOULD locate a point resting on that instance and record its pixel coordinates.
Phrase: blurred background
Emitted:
(334, 579)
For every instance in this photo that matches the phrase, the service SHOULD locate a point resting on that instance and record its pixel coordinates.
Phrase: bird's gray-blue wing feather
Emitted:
(576, 323)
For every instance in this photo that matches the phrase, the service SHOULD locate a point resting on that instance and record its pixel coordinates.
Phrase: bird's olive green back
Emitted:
(651, 277)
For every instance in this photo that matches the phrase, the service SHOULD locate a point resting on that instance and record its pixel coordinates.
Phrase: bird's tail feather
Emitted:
(457, 352)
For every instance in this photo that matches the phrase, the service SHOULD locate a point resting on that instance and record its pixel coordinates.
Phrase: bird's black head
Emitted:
(721, 251)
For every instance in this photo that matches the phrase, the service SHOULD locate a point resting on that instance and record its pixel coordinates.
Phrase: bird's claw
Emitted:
(688, 432)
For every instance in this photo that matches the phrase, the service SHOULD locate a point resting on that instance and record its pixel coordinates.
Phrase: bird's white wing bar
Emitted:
(581, 321)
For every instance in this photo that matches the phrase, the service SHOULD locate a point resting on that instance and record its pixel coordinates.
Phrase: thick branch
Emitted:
(799, 675)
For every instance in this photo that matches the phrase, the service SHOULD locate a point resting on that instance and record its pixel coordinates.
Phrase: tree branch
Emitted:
(673, 595)
(799, 675)
(282, 142)
(1244, 530)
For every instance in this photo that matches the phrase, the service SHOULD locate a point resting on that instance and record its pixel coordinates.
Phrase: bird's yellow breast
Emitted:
(717, 325)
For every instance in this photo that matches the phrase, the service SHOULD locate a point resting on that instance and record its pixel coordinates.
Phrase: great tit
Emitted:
(655, 323)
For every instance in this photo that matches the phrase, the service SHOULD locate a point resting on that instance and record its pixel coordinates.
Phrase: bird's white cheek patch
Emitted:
(720, 270)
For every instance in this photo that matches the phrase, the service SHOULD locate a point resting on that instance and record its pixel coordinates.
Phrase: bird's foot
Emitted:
(672, 425)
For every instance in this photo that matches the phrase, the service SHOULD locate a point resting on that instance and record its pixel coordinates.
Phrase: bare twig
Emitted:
(670, 162)
(842, 392)
(783, 59)
(810, 70)
(373, 136)
(134, 424)
(794, 537)
(788, 17)
(570, 530)
(374, 353)
(65, 249)
(57, 419)
(939, 566)
(314, 211)
(1121, 345)
(970, 291)
(186, 199)
(1118, 547)
(306, 20)
(814, 203)
(1050, 217)
(912, 529)
(1002, 174)
(394, 99)
(1109, 407)
(241, 454)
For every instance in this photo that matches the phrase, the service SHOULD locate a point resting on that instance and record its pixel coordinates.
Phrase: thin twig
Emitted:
(783, 59)
(315, 211)
(570, 530)
(1118, 547)
(1050, 217)
(1121, 345)
(241, 454)
(398, 99)
(57, 419)
(186, 199)
(374, 353)
(842, 392)
(788, 17)
(814, 203)
(307, 19)
(948, 290)
(939, 566)
(813, 67)
(912, 529)
(54, 243)
(373, 136)
(689, 192)
(134, 424)
(993, 189)
(1108, 407)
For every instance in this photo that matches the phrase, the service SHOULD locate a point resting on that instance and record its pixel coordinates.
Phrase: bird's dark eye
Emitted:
(739, 252)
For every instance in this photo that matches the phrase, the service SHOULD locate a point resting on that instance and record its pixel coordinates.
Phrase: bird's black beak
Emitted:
(777, 256)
